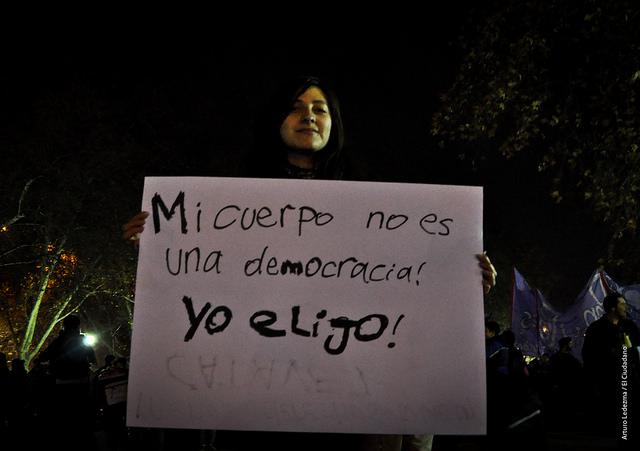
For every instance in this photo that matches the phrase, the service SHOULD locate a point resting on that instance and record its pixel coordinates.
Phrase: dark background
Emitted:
(104, 110)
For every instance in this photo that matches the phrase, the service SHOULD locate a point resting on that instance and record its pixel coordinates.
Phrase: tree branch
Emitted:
(20, 215)
(22, 246)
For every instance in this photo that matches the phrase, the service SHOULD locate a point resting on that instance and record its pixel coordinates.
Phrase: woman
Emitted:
(300, 135)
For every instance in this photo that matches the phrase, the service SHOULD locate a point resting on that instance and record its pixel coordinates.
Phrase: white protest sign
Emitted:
(308, 305)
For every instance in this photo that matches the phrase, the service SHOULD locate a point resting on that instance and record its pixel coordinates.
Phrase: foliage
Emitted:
(556, 83)
(62, 202)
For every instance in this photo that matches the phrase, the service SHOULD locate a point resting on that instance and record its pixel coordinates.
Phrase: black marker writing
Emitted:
(429, 223)
(249, 218)
(347, 324)
(260, 322)
(265, 323)
(157, 205)
(175, 260)
(392, 222)
(349, 267)
(217, 321)
(392, 344)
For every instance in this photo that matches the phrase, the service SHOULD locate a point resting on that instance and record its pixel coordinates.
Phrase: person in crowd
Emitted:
(566, 369)
(111, 396)
(540, 377)
(506, 382)
(108, 361)
(43, 409)
(567, 387)
(18, 397)
(610, 349)
(300, 135)
(514, 410)
(492, 338)
(70, 360)
(4, 390)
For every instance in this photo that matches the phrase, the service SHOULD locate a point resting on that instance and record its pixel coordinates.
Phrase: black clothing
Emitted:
(73, 419)
(70, 358)
(566, 370)
(613, 372)
(602, 349)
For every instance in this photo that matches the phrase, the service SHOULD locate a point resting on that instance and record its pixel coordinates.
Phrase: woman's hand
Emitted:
(489, 273)
(131, 230)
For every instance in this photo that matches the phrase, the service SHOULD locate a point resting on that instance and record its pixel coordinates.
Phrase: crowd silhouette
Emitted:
(68, 400)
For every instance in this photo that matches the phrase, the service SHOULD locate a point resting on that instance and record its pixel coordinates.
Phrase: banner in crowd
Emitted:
(538, 326)
(526, 315)
(308, 305)
(631, 294)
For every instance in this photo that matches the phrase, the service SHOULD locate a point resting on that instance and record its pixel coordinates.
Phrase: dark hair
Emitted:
(71, 322)
(268, 157)
(610, 301)
(564, 341)
(508, 338)
(492, 326)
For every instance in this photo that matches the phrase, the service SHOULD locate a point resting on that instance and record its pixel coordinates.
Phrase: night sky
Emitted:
(204, 84)
(209, 91)
(89, 108)
(176, 104)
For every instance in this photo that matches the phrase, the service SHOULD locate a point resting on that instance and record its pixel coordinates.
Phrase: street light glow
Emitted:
(90, 339)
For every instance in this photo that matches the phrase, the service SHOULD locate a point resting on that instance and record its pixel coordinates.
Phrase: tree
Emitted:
(82, 139)
(60, 209)
(43, 280)
(555, 84)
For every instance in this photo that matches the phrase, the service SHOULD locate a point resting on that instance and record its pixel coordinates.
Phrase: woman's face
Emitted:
(308, 124)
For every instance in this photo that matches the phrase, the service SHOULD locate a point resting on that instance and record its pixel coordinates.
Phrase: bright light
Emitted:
(90, 339)
(4, 228)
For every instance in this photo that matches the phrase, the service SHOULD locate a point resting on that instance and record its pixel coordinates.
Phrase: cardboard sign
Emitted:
(307, 305)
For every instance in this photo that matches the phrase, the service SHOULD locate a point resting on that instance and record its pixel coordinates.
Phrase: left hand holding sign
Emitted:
(489, 273)
(131, 230)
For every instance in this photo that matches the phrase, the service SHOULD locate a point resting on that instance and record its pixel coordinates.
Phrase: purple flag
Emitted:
(539, 326)
(535, 323)
(547, 325)
(553, 326)
(525, 319)
(586, 309)
(632, 295)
